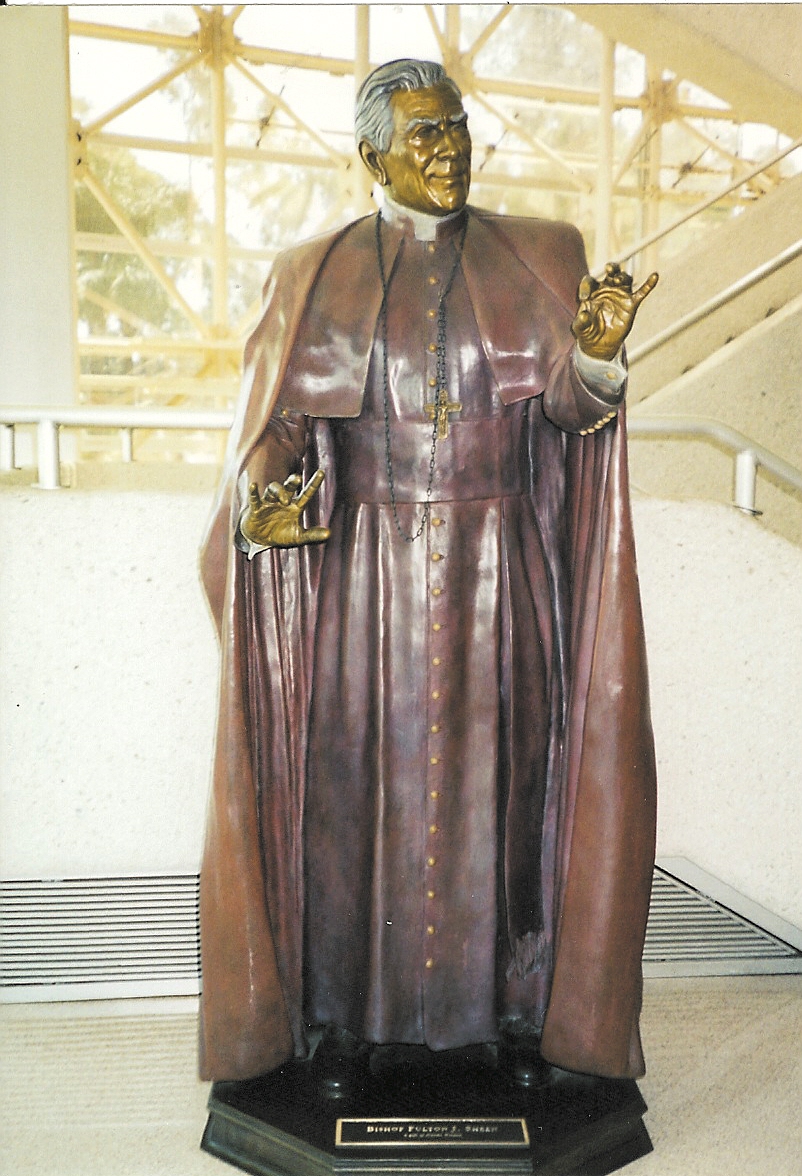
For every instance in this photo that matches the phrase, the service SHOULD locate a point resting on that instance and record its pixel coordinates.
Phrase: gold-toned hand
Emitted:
(274, 518)
(607, 311)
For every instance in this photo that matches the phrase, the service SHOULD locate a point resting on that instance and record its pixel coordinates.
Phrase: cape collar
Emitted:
(523, 325)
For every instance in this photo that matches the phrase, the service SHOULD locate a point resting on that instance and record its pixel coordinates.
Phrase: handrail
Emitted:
(102, 417)
(708, 202)
(718, 300)
(749, 455)
(49, 420)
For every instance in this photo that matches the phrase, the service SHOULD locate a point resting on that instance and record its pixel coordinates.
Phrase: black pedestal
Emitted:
(421, 1114)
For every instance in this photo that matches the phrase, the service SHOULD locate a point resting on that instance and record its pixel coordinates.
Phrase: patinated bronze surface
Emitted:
(433, 811)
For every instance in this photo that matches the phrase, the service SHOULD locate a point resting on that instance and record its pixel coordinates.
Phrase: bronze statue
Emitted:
(433, 810)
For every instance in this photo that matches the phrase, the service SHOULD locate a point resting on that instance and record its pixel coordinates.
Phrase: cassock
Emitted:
(433, 806)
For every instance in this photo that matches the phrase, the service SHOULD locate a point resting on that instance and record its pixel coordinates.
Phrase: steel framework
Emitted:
(654, 151)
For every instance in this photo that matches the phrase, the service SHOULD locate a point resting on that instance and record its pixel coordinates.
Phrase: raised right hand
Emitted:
(274, 518)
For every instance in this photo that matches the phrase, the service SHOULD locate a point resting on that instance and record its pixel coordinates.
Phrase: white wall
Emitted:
(722, 602)
(108, 669)
(36, 267)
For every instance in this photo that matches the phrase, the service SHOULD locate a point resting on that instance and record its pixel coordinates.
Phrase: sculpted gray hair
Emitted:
(374, 117)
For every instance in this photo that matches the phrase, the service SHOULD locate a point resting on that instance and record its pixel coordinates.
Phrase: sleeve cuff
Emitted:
(605, 377)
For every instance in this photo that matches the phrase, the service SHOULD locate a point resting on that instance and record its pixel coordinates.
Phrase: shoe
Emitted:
(340, 1062)
(520, 1059)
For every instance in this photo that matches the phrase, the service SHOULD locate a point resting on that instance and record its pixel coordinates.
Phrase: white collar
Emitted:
(424, 223)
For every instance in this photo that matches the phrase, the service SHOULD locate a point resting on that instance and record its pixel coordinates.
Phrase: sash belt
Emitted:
(478, 459)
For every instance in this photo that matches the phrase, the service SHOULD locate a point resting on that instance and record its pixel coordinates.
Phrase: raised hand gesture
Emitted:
(607, 311)
(274, 518)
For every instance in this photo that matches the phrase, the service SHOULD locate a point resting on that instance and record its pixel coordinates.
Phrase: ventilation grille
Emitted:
(698, 926)
(111, 937)
(96, 937)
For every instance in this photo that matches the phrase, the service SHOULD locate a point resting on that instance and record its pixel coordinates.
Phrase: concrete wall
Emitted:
(723, 608)
(108, 668)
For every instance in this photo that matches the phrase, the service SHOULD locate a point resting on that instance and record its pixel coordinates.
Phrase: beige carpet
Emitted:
(724, 1085)
(109, 1089)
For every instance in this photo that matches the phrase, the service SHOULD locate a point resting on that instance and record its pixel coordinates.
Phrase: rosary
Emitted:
(438, 411)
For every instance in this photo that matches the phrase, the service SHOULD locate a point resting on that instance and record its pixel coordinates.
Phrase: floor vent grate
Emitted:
(90, 938)
(698, 926)
(96, 938)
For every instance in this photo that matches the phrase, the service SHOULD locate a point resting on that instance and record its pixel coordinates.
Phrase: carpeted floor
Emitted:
(109, 1089)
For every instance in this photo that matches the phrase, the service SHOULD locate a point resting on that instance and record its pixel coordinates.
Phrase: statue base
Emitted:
(424, 1114)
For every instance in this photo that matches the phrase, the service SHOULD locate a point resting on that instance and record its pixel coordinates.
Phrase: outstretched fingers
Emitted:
(645, 290)
(310, 490)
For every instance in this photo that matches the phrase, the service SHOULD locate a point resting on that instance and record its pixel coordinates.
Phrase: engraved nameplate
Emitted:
(435, 1132)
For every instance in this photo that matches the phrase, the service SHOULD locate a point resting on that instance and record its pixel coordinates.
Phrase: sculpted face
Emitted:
(428, 165)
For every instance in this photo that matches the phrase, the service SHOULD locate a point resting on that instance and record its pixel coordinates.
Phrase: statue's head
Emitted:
(413, 135)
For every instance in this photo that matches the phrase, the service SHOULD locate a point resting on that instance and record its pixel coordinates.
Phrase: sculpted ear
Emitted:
(373, 161)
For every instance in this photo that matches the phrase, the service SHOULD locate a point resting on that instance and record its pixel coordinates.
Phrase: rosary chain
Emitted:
(440, 376)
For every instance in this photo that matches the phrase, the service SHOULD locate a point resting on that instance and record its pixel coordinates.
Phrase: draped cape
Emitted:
(522, 278)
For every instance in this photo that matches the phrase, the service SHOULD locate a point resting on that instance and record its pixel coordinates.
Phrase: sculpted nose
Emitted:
(448, 145)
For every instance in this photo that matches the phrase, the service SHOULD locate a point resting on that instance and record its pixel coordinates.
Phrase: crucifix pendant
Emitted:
(440, 409)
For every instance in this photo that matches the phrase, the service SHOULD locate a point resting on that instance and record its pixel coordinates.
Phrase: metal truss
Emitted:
(651, 157)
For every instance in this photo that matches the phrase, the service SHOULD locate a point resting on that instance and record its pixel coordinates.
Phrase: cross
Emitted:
(440, 409)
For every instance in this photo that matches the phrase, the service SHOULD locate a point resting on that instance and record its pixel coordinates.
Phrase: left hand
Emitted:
(607, 311)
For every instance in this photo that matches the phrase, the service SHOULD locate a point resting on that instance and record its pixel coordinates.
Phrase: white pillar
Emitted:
(37, 334)
(604, 182)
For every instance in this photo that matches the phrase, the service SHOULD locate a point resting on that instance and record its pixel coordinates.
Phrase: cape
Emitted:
(264, 610)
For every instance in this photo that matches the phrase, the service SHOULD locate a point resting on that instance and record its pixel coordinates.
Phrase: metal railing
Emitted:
(748, 456)
(743, 178)
(49, 421)
(729, 294)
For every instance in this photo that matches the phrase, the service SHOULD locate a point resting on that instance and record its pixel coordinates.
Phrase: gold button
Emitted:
(434, 760)
(436, 556)
(430, 247)
(432, 346)
(432, 279)
(430, 930)
(430, 963)
(435, 661)
(431, 861)
(435, 727)
(435, 795)
(435, 694)
(437, 591)
(433, 829)
(437, 522)
(430, 894)
(431, 313)
(437, 626)
(432, 382)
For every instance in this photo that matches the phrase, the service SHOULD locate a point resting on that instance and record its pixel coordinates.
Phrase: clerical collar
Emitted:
(425, 225)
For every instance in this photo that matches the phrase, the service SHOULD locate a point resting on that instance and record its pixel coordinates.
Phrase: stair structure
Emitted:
(741, 364)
